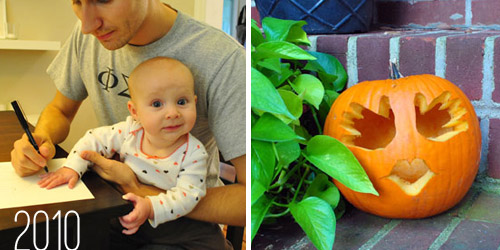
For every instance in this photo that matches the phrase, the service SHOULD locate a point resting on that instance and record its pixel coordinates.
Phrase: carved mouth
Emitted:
(411, 177)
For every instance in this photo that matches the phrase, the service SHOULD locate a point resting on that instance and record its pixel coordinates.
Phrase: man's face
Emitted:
(113, 22)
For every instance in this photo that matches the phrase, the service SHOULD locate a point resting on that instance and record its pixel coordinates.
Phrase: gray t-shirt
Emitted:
(84, 68)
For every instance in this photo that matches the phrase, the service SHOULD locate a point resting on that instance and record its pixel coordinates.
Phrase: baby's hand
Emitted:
(61, 176)
(143, 209)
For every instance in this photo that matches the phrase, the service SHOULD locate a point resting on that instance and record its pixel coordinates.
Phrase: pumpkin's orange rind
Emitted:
(452, 156)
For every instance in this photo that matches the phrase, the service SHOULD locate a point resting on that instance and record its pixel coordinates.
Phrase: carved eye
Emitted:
(368, 129)
(440, 120)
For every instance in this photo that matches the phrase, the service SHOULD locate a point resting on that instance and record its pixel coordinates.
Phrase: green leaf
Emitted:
(265, 160)
(278, 79)
(265, 97)
(256, 34)
(253, 119)
(288, 152)
(273, 64)
(297, 35)
(316, 218)
(285, 30)
(270, 128)
(310, 88)
(323, 188)
(293, 104)
(262, 163)
(259, 210)
(257, 190)
(324, 107)
(302, 132)
(340, 209)
(336, 160)
(329, 69)
(284, 50)
(330, 97)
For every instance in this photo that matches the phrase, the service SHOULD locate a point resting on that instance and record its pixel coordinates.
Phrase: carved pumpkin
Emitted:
(418, 139)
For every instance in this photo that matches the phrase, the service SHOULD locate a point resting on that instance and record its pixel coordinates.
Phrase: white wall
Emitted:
(22, 72)
(209, 11)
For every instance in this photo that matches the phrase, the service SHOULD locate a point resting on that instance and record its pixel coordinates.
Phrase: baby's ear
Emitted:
(132, 110)
(195, 99)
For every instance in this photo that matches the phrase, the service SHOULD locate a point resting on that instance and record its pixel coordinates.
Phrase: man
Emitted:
(117, 36)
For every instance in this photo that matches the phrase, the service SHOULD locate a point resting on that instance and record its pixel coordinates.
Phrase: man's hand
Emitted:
(25, 160)
(61, 176)
(143, 209)
(111, 170)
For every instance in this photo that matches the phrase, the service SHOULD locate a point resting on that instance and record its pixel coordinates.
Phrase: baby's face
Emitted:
(164, 101)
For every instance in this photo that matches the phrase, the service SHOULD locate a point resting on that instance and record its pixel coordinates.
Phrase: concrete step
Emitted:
(438, 13)
(472, 224)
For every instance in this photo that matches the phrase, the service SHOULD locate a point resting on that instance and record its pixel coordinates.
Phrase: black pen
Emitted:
(24, 124)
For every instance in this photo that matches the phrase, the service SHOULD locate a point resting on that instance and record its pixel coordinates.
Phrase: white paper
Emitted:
(19, 191)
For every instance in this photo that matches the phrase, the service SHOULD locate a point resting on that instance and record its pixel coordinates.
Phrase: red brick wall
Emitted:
(466, 52)
(438, 13)
(471, 60)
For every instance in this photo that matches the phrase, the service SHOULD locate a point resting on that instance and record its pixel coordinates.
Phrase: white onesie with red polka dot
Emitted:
(182, 174)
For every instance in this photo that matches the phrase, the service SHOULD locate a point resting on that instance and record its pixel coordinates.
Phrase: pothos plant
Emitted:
(292, 163)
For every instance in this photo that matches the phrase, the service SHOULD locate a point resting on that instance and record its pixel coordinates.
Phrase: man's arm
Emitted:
(56, 118)
(52, 127)
(223, 205)
(226, 204)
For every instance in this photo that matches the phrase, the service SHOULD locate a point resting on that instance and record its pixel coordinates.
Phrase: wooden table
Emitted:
(94, 215)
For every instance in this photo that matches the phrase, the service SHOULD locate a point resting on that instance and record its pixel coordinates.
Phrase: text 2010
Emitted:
(58, 217)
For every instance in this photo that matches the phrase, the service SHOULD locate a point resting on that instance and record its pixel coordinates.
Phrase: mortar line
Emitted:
(314, 43)
(488, 85)
(488, 81)
(484, 125)
(440, 57)
(490, 110)
(352, 60)
(380, 234)
(445, 234)
(468, 12)
(394, 48)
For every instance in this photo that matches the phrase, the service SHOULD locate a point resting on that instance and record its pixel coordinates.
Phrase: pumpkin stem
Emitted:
(395, 74)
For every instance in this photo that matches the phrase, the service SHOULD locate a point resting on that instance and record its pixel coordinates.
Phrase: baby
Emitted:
(154, 141)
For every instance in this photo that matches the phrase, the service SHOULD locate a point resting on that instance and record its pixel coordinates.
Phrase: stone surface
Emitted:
(417, 54)
(494, 149)
(373, 57)
(484, 208)
(348, 234)
(334, 45)
(255, 15)
(474, 235)
(280, 235)
(496, 72)
(464, 62)
(422, 13)
(473, 224)
(485, 12)
(412, 233)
